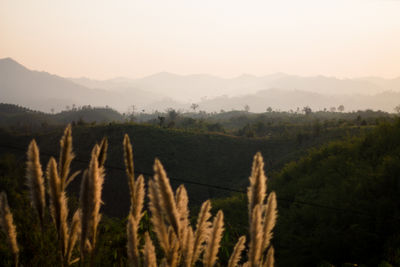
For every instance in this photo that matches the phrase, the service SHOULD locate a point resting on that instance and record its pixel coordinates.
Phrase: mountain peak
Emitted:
(10, 63)
(8, 60)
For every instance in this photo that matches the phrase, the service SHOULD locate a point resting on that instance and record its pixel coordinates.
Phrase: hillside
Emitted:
(21, 119)
(208, 158)
(338, 204)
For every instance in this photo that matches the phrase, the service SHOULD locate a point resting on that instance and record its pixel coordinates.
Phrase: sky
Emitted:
(134, 38)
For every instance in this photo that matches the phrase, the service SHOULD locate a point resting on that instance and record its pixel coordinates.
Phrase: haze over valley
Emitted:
(47, 92)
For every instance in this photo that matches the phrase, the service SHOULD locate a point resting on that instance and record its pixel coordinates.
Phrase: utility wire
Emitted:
(321, 206)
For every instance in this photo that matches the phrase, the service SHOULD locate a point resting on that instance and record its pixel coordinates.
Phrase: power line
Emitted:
(321, 206)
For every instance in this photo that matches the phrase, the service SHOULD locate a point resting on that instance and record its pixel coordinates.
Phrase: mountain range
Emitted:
(44, 91)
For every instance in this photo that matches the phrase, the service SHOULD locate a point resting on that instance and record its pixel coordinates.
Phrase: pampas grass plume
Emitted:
(213, 244)
(7, 224)
(35, 181)
(149, 252)
(237, 251)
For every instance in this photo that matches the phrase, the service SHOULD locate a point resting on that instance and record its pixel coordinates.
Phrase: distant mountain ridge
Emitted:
(211, 86)
(287, 100)
(44, 91)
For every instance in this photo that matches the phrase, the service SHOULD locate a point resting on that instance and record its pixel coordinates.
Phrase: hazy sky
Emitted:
(134, 38)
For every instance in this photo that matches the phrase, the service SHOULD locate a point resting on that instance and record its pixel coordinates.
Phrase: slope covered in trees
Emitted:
(339, 204)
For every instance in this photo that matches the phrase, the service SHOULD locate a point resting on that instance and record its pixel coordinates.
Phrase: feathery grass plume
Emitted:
(270, 261)
(237, 252)
(213, 243)
(256, 192)
(182, 201)
(149, 252)
(133, 241)
(72, 237)
(255, 237)
(262, 217)
(187, 250)
(103, 151)
(166, 196)
(270, 215)
(157, 217)
(133, 222)
(7, 224)
(66, 155)
(35, 181)
(202, 230)
(129, 167)
(84, 201)
(90, 201)
(173, 256)
(138, 198)
(186, 232)
(58, 206)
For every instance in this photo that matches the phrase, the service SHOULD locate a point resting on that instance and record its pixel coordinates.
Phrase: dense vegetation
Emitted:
(179, 243)
(338, 203)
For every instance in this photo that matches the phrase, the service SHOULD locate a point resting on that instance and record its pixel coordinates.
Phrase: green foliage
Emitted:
(359, 177)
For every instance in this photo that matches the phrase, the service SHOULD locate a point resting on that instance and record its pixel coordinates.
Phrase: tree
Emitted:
(341, 108)
(269, 109)
(194, 106)
(307, 110)
(246, 108)
(332, 109)
(397, 109)
(172, 114)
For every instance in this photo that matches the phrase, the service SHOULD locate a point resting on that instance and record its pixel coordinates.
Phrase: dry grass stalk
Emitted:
(7, 224)
(73, 237)
(187, 250)
(164, 231)
(149, 252)
(137, 193)
(133, 241)
(257, 190)
(90, 201)
(213, 243)
(270, 260)
(136, 188)
(157, 217)
(255, 237)
(166, 196)
(202, 230)
(186, 231)
(66, 155)
(262, 217)
(130, 171)
(270, 215)
(237, 251)
(58, 180)
(182, 201)
(58, 205)
(173, 256)
(103, 151)
(138, 198)
(35, 181)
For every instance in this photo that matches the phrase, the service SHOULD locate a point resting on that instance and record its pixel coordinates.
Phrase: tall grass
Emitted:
(179, 243)
(8, 227)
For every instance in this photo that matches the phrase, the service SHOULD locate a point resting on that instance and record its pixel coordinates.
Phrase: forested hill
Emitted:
(19, 118)
(339, 204)
(214, 159)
